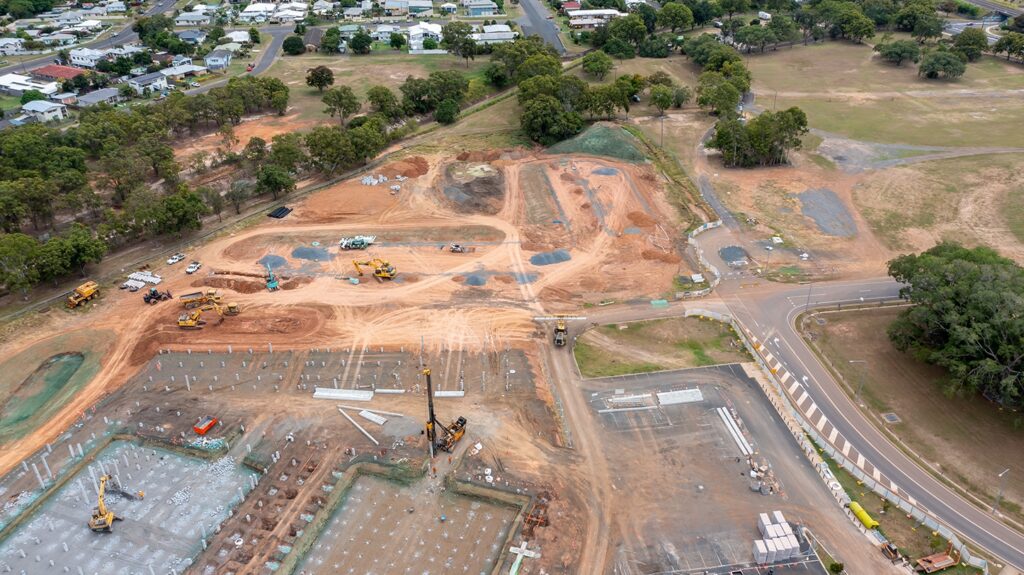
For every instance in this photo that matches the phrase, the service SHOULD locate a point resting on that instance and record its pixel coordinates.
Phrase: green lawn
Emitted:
(9, 102)
(594, 362)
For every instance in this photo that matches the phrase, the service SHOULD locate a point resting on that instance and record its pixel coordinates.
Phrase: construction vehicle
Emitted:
(382, 269)
(356, 242)
(154, 296)
(891, 552)
(459, 248)
(561, 333)
(102, 518)
(198, 299)
(449, 436)
(82, 294)
(194, 319)
(272, 283)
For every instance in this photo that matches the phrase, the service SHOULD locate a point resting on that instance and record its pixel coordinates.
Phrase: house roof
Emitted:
(41, 106)
(58, 71)
(97, 96)
(195, 34)
(63, 96)
(238, 36)
(219, 53)
(148, 78)
(194, 16)
(495, 28)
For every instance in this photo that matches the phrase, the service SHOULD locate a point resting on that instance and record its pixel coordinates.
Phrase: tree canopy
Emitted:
(967, 317)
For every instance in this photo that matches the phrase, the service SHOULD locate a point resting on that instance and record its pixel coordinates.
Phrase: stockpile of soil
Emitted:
(413, 167)
(486, 156)
(233, 284)
(474, 188)
(641, 220)
(660, 256)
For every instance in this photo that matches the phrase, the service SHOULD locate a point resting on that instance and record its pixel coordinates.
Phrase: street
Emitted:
(536, 22)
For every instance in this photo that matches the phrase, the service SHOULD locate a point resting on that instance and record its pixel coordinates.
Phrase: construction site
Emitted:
(379, 381)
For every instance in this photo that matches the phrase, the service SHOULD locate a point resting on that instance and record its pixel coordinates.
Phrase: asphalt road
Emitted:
(268, 53)
(124, 36)
(997, 7)
(536, 22)
(770, 313)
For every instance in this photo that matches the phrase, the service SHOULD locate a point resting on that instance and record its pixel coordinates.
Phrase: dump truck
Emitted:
(198, 299)
(356, 242)
(82, 294)
(561, 333)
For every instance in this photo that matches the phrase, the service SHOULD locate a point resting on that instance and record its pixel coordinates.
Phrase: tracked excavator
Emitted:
(448, 436)
(102, 518)
(382, 269)
(194, 319)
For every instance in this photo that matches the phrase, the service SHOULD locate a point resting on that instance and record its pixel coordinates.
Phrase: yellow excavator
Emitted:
(194, 319)
(102, 518)
(449, 435)
(382, 269)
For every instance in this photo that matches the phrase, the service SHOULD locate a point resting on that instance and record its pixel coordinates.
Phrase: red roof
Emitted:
(570, 5)
(58, 72)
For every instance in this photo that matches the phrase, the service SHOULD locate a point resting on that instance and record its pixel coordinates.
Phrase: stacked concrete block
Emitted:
(778, 541)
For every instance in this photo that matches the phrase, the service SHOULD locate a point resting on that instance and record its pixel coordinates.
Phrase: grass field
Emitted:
(360, 73)
(969, 439)
(846, 89)
(641, 347)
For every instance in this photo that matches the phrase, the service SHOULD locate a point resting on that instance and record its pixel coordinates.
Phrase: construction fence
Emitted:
(807, 436)
(716, 276)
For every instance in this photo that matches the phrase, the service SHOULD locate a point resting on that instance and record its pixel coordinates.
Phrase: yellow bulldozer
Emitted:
(82, 294)
(194, 319)
(382, 269)
(102, 519)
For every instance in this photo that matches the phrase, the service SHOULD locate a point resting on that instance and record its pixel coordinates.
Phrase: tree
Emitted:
(447, 84)
(294, 46)
(397, 41)
(53, 259)
(927, 27)
(660, 78)
(675, 16)
(254, 36)
(341, 101)
(836, 567)
(329, 148)
(286, 152)
(605, 101)
(18, 259)
(680, 96)
(330, 42)
(255, 150)
(661, 98)
(861, 28)
(447, 111)
(545, 121)
(429, 44)
(763, 141)
(731, 7)
(941, 64)
(361, 42)
(83, 247)
(31, 96)
(1011, 44)
(213, 199)
(972, 42)
(629, 29)
(237, 195)
(714, 91)
(784, 28)
(538, 65)
(182, 210)
(383, 101)
(619, 48)
(274, 180)
(755, 36)
(967, 317)
(319, 77)
(457, 38)
(899, 51)
(37, 195)
(597, 64)
(12, 208)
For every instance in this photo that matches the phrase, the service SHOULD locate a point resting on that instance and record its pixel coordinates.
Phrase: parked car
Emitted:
(194, 84)
(175, 258)
(193, 267)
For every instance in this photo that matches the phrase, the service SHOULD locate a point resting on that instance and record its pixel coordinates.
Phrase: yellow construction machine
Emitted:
(449, 435)
(194, 319)
(382, 269)
(82, 294)
(102, 518)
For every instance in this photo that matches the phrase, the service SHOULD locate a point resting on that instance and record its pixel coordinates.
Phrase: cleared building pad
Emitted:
(383, 528)
(184, 498)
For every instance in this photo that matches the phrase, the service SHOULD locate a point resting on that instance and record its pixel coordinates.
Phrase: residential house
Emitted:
(148, 83)
(592, 18)
(288, 15)
(449, 8)
(349, 30)
(420, 32)
(180, 60)
(572, 5)
(16, 85)
(66, 98)
(481, 8)
(116, 7)
(420, 8)
(67, 19)
(384, 31)
(87, 26)
(125, 50)
(233, 47)
(495, 34)
(219, 59)
(324, 8)
(86, 57)
(58, 73)
(178, 73)
(396, 7)
(192, 19)
(11, 45)
(45, 111)
(352, 13)
(58, 39)
(104, 96)
(240, 36)
(257, 12)
(193, 37)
